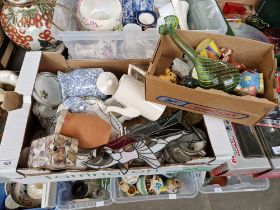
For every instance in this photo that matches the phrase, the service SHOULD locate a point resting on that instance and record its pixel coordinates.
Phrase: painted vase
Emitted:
(28, 25)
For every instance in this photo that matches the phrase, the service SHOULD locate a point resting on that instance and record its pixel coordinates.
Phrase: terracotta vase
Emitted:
(27, 23)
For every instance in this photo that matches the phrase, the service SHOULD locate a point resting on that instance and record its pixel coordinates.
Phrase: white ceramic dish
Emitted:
(96, 15)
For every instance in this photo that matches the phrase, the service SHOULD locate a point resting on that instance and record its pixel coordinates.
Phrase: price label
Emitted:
(7, 163)
(218, 189)
(172, 196)
(99, 203)
(276, 150)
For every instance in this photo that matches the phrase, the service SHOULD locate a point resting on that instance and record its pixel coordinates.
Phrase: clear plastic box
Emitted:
(203, 15)
(188, 190)
(64, 199)
(234, 184)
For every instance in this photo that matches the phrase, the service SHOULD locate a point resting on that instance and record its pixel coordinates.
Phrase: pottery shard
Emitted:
(89, 129)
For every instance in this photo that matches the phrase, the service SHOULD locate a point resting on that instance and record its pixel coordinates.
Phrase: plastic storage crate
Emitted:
(64, 199)
(188, 190)
(234, 184)
(203, 15)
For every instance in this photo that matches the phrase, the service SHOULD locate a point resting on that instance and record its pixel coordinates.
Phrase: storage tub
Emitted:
(235, 184)
(203, 15)
(188, 190)
(65, 201)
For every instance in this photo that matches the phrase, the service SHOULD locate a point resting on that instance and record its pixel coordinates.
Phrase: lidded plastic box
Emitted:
(187, 190)
(203, 15)
(234, 184)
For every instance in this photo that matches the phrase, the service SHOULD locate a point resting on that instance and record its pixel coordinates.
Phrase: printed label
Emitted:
(172, 196)
(202, 108)
(7, 163)
(218, 190)
(276, 150)
(99, 203)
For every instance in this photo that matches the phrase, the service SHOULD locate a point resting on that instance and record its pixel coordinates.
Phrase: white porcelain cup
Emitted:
(96, 15)
(131, 94)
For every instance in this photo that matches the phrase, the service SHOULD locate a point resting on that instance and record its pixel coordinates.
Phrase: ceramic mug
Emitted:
(130, 88)
(96, 15)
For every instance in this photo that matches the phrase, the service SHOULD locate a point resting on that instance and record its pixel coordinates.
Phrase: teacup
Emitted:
(46, 89)
(96, 15)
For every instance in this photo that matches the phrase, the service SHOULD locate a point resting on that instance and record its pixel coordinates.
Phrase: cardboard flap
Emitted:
(12, 101)
(53, 62)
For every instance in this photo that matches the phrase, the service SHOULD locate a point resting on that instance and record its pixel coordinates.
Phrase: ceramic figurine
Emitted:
(29, 25)
(142, 185)
(173, 185)
(211, 73)
(169, 76)
(251, 83)
(181, 68)
(156, 184)
(123, 186)
(95, 16)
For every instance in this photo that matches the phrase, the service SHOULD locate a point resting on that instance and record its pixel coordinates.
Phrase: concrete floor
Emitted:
(265, 200)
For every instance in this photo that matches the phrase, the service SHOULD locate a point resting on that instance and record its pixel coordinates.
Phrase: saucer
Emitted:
(47, 90)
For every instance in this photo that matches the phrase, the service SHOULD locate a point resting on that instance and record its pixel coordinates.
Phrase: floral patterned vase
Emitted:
(28, 24)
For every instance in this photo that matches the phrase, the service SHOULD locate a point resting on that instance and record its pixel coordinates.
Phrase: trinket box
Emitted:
(53, 152)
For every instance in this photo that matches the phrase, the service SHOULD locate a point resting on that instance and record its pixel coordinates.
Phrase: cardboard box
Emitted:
(246, 110)
(270, 138)
(249, 157)
(20, 123)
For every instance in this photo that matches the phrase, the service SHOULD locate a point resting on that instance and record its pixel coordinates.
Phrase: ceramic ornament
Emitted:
(180, 67)
(29, 26)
